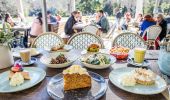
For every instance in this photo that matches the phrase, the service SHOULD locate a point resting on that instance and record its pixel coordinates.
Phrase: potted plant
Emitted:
(6, 58)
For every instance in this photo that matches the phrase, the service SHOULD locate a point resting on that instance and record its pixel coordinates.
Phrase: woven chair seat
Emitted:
(83, 40)
(129, 40)
(48, 39)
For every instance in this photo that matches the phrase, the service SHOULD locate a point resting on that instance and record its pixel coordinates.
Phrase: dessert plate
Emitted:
(98, 89)
(16, 52)
(32, 61)
(159, 86)
(106, 51)
(132, 62)
(36, 74)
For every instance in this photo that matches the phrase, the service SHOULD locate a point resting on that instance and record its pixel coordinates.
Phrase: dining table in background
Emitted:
(25, 29)
(39, 92)
(53, 27)
(77, 27)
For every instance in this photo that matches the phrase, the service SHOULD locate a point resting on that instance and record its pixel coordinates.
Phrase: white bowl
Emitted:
(47, 58)
(113, 60)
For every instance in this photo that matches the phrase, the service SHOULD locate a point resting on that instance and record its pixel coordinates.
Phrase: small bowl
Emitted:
(47, 58)
(113, 60)
(120, 56)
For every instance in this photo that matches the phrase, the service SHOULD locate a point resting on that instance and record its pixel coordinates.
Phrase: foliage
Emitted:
(89, 6)
(165, 7)
(149, 7)
(62, 13)
(5, 36)
(8, 6)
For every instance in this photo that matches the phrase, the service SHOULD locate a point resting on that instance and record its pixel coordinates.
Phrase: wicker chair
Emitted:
(91, 29)
(129, 40)
(47, 39)
(83, 39)
(152, 35)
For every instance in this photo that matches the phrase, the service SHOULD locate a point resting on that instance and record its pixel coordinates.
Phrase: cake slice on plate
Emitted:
(76, 77)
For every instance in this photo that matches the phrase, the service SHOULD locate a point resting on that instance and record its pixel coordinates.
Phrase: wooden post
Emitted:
(20, 8)
(72, 5)
(44, 14)
(139, 7)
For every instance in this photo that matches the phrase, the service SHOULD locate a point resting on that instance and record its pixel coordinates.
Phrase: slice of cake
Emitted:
(18, 68)
(144, 76)
(128, 80)
(76, 77)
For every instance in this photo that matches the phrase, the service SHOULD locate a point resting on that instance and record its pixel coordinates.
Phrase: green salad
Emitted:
(98, 59)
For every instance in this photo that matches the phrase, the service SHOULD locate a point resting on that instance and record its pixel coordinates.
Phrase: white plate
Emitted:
(113, 60)
(36, 74)
(16, 52)
(106, 51)
(66, 48)
(56, 90)
(132, 62)
(47, 58)
(115, 77)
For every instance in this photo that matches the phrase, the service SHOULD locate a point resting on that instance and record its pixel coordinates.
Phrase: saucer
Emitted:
(32, 61)
(132, 62)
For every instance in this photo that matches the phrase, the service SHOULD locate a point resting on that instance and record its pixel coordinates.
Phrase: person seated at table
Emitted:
(125, 21)
(103, 22)
(36, 28)
(163, 24)
(58, 17)
(51, 18)
(79, 18)
(9, 19)
(20, 18)
(68, 29)
(147, 22)
(138, 20)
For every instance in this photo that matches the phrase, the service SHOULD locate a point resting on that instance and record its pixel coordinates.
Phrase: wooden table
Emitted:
(39, 92)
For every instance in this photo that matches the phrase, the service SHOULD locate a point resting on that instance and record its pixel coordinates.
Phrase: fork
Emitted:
(165, 77)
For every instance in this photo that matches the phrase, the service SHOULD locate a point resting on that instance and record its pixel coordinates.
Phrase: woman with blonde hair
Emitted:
(163, 24)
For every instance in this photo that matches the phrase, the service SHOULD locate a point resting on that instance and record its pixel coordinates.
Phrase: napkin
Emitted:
(166, 95)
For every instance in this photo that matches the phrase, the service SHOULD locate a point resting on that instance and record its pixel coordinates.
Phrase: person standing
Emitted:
(116, 23)
(163, 24)
(103, 22)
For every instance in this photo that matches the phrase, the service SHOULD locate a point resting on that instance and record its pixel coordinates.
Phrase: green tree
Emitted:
(8, 6)
(149, 6)
(89, 6)
(165, 6)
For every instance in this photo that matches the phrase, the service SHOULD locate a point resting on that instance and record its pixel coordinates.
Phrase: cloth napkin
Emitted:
(166, 95)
